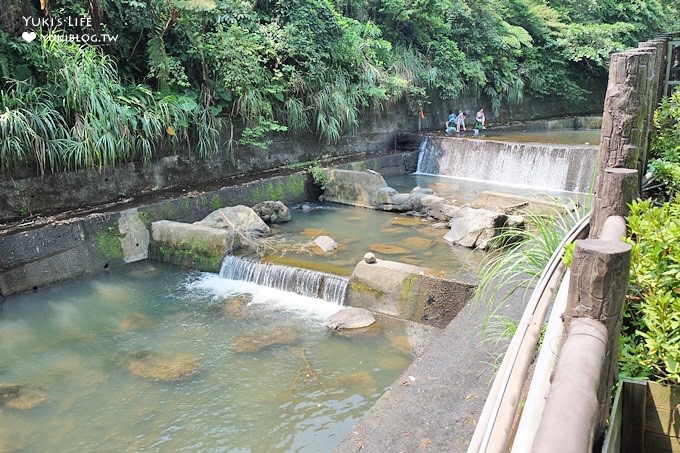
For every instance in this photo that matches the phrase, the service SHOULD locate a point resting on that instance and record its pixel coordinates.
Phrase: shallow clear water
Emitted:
(394, 236)
(390, 236)
(81, 345)
(529, 135)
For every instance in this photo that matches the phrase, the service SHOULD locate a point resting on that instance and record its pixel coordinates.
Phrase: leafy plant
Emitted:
(519, 261)
(665, 149)
(650, 338)
(320, 176)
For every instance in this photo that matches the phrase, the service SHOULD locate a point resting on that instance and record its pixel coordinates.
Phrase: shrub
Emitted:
(650, 337)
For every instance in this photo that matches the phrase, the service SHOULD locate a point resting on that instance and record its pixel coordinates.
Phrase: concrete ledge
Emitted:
(407, 292)
(190, 245)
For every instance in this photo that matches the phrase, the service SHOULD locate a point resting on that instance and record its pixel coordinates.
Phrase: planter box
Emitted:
(645, 418)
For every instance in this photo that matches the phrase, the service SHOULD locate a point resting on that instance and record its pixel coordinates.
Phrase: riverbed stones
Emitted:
(272, 212)
(388, 249)
(350, 318)
(260, 339)
(370, 258)
(21, 396)
(162, 366)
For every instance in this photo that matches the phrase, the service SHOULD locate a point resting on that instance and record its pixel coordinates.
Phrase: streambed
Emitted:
(83, 346)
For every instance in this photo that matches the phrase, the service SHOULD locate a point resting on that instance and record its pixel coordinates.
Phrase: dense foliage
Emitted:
(183, 70)
(664, 163)
(650, 346)
(650, 340)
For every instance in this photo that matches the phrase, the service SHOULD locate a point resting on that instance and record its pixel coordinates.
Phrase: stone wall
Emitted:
(78, 247)
(377, 131)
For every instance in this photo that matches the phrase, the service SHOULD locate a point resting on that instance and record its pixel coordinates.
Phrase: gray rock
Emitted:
(237, 218)
(476, 228)
(272, 211)
(326, 243)
(350, 318)
(370, 258)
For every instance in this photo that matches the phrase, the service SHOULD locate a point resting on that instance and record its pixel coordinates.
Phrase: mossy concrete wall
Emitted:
(22, 194)
(79, 247)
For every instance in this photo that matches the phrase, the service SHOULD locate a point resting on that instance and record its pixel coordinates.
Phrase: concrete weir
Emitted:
(548, 167)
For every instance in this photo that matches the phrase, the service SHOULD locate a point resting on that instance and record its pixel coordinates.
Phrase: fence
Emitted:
(568, 398)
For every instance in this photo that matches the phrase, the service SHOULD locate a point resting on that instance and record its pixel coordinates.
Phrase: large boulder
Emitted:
(238, 218)
(350, 318)
(476, 228)
(358, 188)
(272, 212)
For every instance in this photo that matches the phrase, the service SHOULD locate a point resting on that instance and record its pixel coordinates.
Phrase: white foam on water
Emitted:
(276, 299)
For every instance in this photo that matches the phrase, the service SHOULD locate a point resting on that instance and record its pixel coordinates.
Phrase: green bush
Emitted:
(650, 337)
(320, 176)
(664, 163)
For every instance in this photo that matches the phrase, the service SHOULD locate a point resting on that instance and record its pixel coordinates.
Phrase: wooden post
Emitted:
(597, 290)
(618, 187)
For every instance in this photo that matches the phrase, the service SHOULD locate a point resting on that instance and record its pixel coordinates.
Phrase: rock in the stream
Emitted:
(350, 318)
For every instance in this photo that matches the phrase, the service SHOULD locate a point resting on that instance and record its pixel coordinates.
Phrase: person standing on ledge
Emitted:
(450, 122)
(480, 120)
(460, 121)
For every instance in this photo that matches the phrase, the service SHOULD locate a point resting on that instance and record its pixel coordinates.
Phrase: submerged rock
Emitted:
(162, 367)
(388, 249)
(350, 318)
(21, 396)
(362, 382)
(263, 338)
(326, 244)
(135, 321)
(234, 306)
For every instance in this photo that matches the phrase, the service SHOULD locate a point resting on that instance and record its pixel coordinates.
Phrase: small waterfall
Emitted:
(542, 166)
(301, 281)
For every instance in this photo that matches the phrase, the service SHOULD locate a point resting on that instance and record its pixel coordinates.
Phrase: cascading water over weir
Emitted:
(328, 287)
(567, 168)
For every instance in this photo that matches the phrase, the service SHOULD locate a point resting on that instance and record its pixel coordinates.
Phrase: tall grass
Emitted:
(84, 117)
(30, 122)
(519, 261)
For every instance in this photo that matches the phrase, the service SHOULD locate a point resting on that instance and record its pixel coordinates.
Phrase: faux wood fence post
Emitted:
(621, 119)
(597, 290)
(618, 187)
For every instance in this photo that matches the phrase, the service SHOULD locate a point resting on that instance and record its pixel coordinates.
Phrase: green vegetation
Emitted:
(664, 163)
(207, 76)
(650, 339)
(109, 244)
(319, 175)
(216, 202)
(518, 263)
(650, 346)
